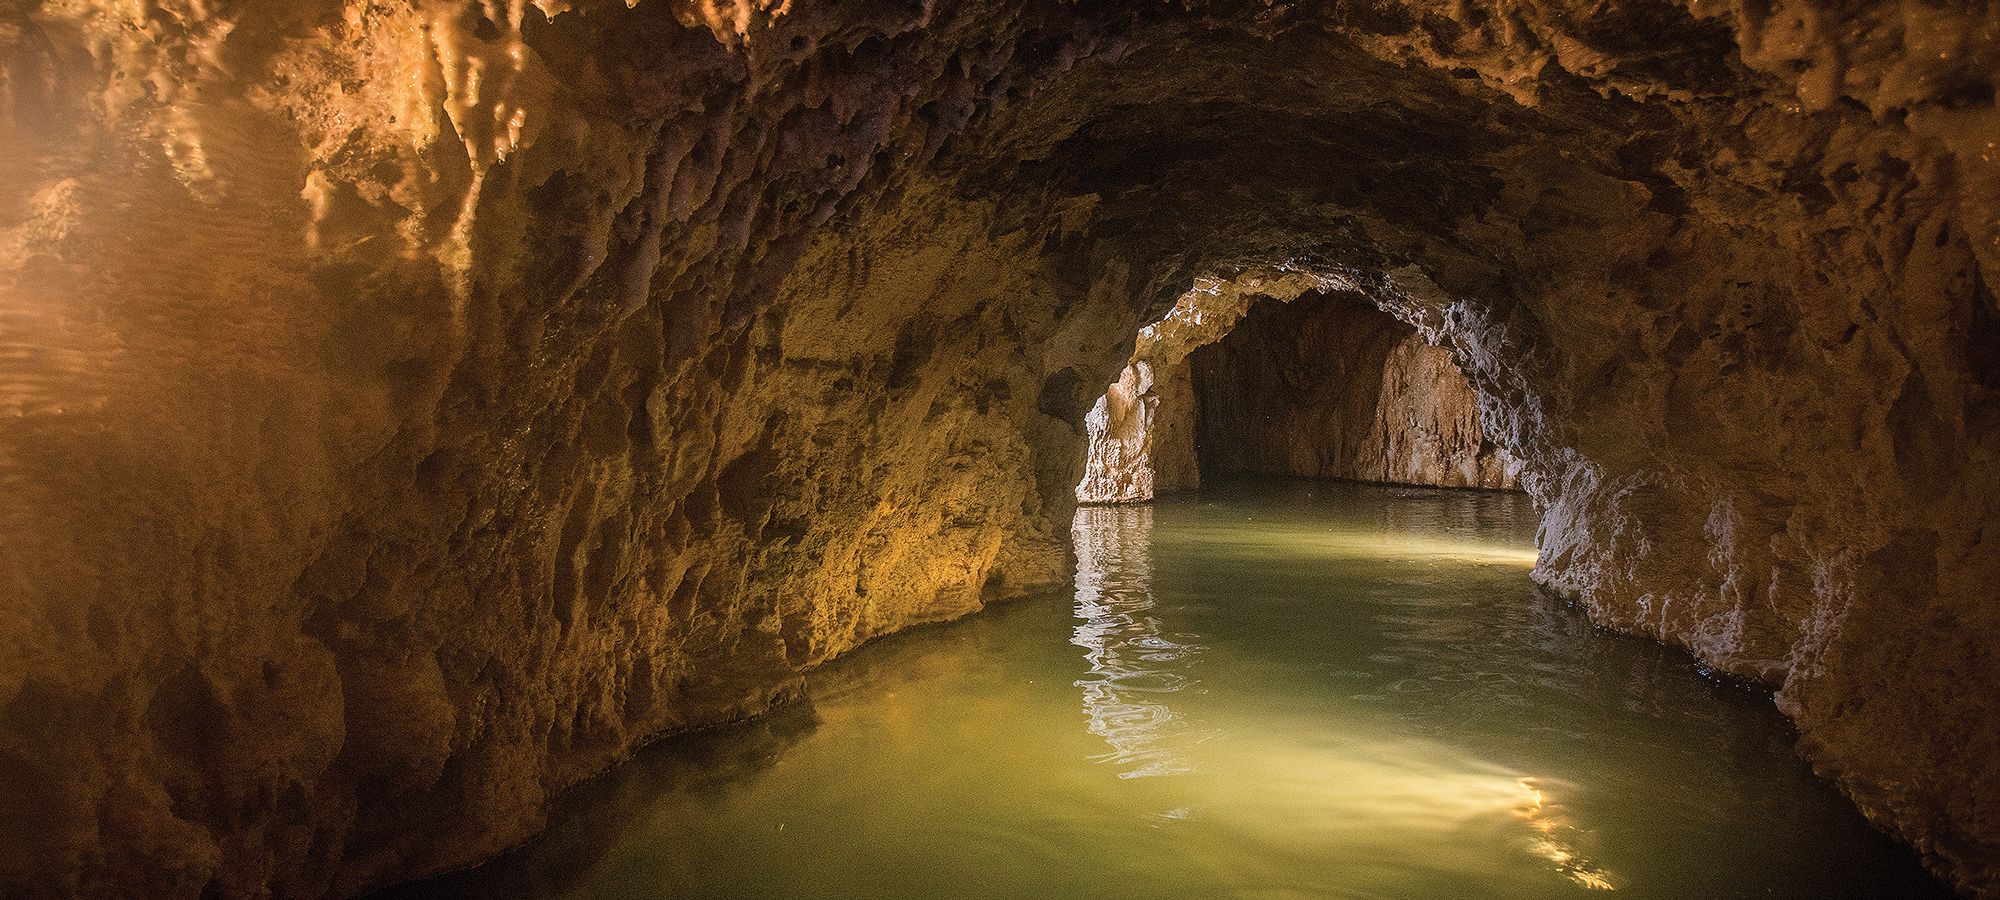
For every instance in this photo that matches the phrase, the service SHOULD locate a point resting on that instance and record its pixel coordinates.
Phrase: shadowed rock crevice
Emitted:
(527, 381)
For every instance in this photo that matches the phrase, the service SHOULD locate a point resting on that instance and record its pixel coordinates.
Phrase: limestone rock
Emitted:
(1331, 387)
(407, 408)
(1327, 388)
(1143, 427)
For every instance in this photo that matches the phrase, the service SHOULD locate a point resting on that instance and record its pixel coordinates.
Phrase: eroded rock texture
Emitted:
(1118, 461)
(1140, 436)
(1332, 387)
(1327, 387)
(405, 408)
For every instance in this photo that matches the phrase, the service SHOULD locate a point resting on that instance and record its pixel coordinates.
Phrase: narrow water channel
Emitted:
(1272, 690)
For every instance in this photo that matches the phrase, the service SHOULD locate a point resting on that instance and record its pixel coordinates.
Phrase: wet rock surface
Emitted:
(407, 409)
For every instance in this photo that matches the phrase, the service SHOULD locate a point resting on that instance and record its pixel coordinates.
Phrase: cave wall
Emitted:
(1319, 387)
(403, 424)
(1139, 436)
(1331, 387)
(1118, 458)
(406, 409)
(1175, 466)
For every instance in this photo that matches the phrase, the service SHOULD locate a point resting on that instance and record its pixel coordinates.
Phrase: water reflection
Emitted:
(1555, 838)
(1134, 664)
(1364, 780)
(1350, 691)
(1383, 781)
(600, 813)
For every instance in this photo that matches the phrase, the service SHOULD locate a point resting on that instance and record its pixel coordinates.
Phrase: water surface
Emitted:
(1272, 690)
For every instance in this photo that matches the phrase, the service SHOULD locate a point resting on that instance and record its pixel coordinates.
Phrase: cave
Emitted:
(1321, 385)
(411, 410)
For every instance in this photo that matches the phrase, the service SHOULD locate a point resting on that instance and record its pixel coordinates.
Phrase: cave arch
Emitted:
(1295, 376)
(694, 344)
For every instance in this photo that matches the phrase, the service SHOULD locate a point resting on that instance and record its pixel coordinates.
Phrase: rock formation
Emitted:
(1140, 434)
(1331, 387)
(1327, 387)
(408, 407)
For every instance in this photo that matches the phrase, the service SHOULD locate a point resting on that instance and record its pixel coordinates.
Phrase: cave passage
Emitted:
(1273, 688)
(410, 409)
(1320, 385)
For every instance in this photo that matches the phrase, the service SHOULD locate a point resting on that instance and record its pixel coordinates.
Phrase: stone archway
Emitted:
(1316, 384)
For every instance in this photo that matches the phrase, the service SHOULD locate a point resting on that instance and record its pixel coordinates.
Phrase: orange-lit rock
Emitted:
(407, 409)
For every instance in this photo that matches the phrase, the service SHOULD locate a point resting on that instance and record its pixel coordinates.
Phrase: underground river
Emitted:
(1274, 689)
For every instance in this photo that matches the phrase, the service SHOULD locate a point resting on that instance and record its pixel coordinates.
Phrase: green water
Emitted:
(1269, 691)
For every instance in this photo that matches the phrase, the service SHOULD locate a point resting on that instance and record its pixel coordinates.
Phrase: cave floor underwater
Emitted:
(1269, 689)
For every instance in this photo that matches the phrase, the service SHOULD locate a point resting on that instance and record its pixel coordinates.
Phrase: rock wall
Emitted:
(406, 408)
(1331, 387)
(1119, 429)
(1175, 466)
(1140, 434)
(1323, 388)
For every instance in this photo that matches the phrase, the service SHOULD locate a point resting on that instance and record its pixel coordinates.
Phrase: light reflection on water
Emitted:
(1324, 794)
(1272, 690)
(1133, 665)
